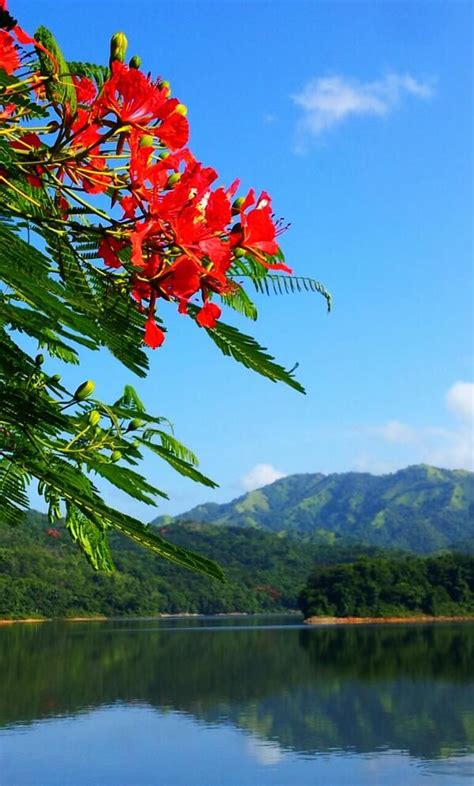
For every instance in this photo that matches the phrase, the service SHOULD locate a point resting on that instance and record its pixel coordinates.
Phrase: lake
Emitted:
(236, 702)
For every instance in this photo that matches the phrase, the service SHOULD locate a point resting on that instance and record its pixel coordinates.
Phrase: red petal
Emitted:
(208, 315)
(218, 210)
(174, 131)
(154, 336)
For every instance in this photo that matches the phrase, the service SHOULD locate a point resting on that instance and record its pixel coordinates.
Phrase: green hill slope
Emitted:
(420, 508)
(43, 574)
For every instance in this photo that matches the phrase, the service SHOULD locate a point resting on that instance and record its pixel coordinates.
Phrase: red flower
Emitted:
(9, 60)
(130, 96)
(85, 89)
(257, 231)
(154, 336)
(173, 131)
(27, 144)
(181, 279)
(208, 315)
(108, 250)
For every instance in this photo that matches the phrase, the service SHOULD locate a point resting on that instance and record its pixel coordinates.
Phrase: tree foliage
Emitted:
(377, 587)
(105, 215)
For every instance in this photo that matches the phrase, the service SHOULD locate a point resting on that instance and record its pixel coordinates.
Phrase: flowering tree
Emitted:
(106, 215)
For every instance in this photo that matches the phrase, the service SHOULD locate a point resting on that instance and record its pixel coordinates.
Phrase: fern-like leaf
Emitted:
(285, 285)
(244, 349)
(13, 484)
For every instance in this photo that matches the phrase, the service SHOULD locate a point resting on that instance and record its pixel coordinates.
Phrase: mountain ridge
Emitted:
(421, 508)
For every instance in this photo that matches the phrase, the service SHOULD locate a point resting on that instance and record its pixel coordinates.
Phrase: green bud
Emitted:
(166, 86)
(94, 417)
(173, 179)
(181, 109)
(239, 252)
(116, 456)
(39, 360)
(55, 379)
(85, 390)
(164, 155)
(147, 140)
(118, 47)
(134, 424)
(237, 204)
(135, 61)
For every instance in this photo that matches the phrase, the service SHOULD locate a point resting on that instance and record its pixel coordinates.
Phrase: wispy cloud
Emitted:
(443, 447)
(260, 475)
(460, 400)
(329, 101)
(395, 431)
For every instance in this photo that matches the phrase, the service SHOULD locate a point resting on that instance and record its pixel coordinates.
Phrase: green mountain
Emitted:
(420, 508)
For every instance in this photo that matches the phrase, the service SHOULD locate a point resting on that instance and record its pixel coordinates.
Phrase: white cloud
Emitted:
(452, 448)
(266, 753)
(364, 462)
(260, 475)
(395, 431)
(329, 101)
(460, 400)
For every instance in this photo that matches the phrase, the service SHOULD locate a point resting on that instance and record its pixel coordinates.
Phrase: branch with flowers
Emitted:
(105, 217)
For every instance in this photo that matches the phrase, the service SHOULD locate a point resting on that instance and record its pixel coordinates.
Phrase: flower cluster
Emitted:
(169, 231)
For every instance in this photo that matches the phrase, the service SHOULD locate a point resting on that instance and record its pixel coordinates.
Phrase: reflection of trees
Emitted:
(310, 690)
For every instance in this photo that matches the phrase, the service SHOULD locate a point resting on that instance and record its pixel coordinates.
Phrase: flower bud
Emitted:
(134, 424)
(165, 85)
(147, 140)
(237, 204)
(181, 109)
(85, 390)
(116, 456)
(39, 360)
(173, 179)
(164, 155)
(135, 61)
(118, 47)
(94, 417)
(55, 379)
(239, 252)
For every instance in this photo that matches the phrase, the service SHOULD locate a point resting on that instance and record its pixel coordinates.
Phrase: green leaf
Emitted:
(281, 285)
(76, 488)
(91, 538)
(239, 300)
(99, 74)
(247, 351)
(127, 480)
(183, 467)
(13, 483)
(59, 86)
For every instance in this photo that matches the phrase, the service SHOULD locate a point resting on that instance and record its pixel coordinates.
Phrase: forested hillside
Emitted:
(43, 574)
(408, 586)
(420, 508)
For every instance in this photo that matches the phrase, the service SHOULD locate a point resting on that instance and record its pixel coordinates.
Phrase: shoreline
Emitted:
(419, 618)
(385, 620)
(164, 615)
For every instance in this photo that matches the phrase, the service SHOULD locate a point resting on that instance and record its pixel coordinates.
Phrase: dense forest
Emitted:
(43, 574)
(377, 587)
(420, 508)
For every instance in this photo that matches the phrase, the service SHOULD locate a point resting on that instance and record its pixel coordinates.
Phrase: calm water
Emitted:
(236, 702)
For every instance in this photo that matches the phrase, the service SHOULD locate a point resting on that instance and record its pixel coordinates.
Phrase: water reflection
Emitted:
(310, 691)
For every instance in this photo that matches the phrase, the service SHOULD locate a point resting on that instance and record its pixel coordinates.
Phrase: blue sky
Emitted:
(357, 118)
